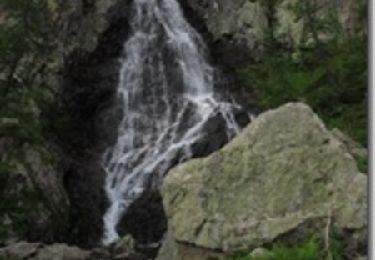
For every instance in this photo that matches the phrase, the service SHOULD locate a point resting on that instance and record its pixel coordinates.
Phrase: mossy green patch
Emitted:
(307, 251)
(362, 163)
(311, 249)
(18, 208)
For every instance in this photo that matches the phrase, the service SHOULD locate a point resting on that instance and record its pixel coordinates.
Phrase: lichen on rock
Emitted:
(284, 172)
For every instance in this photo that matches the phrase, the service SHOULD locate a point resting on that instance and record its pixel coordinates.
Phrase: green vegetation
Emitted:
(309, 250)
(20, 215)
(362, 163)
(330, 75)
(25, 51)
(25, 46)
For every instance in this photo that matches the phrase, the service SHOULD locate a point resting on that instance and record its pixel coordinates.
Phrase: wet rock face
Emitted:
(226, 51)
(83, 182)
(233, 29)
(225, 54)
(145, 220)
(98, 30)
(285, 176)
(90, 76)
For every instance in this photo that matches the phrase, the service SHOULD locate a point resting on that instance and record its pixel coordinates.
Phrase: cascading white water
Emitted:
(166, 90)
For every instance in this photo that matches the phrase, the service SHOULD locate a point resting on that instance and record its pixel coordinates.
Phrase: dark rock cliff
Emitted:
(59, 178)
(89, 79)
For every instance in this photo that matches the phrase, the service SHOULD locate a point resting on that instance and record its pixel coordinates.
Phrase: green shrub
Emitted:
(362, 163)
(309, 250)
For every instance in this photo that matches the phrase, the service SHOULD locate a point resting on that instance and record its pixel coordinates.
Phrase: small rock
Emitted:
(9, 121)
(259, 252)
(123, 256)
(21, 250)
(353, 147)
(124, 245)
(130, 256)
(7, 221)
(100, 254)
(62, 252)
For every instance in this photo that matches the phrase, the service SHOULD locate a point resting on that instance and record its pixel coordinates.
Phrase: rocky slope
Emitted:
(237, 28)
(35, 171)
(285, 177)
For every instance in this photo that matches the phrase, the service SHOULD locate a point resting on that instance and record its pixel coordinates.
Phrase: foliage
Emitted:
(330, 75)
(25, 32)
(20, 215)
(25, 43)
(309, 250)
(362, 163)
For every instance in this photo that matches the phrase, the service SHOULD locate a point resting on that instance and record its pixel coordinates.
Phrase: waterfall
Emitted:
(167, 95)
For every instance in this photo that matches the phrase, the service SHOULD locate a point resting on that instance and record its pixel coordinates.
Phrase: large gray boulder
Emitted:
(284, 174)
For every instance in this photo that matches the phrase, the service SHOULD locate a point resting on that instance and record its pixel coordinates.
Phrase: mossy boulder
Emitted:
(285, 173)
